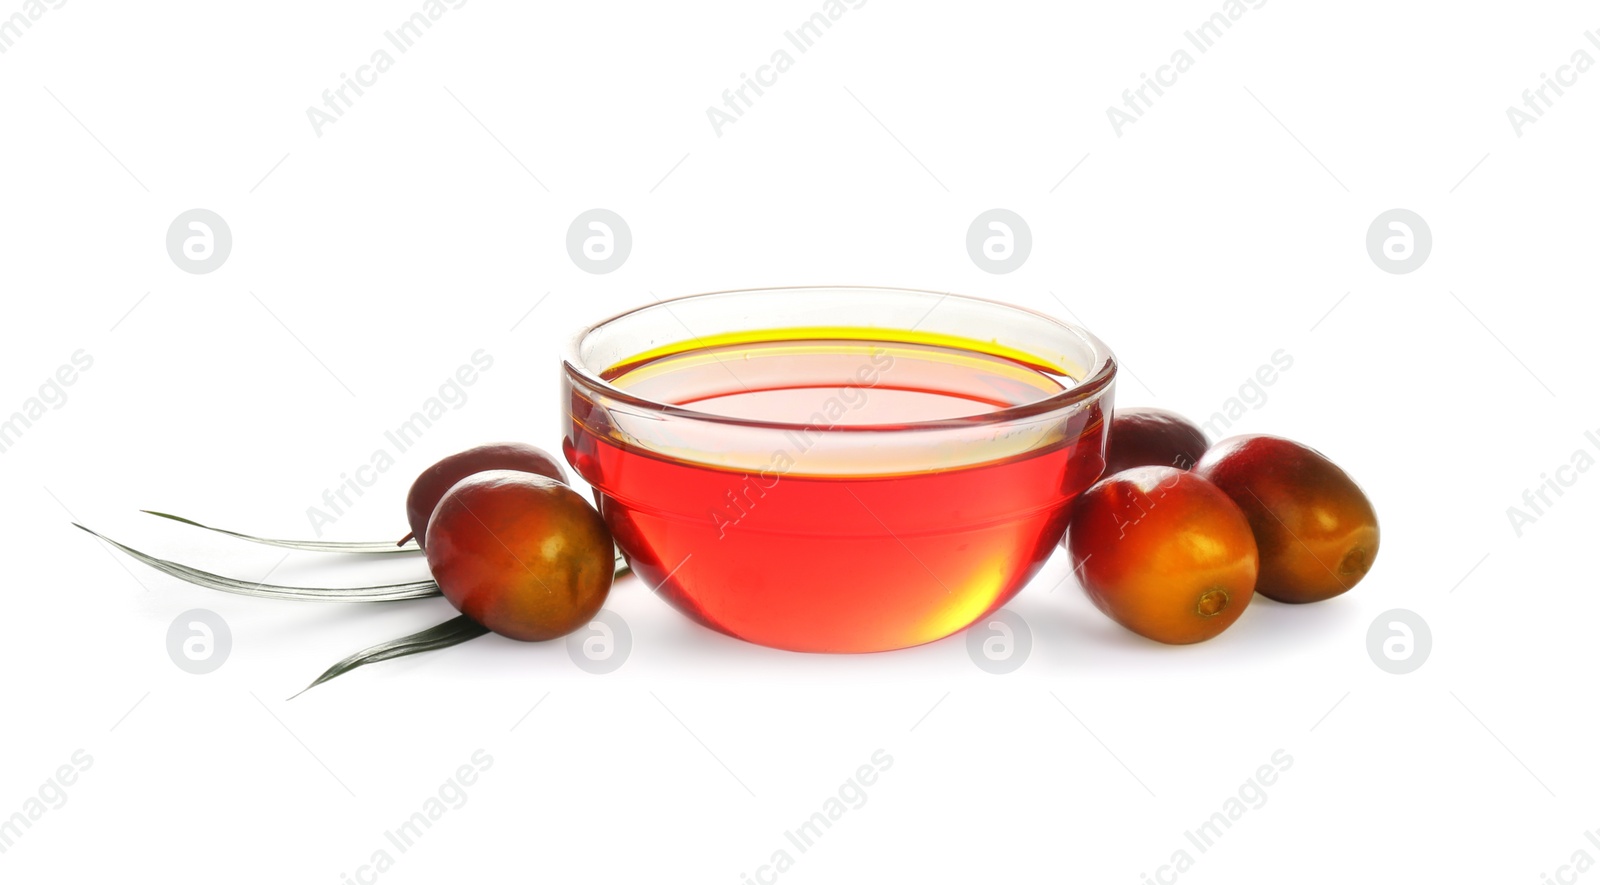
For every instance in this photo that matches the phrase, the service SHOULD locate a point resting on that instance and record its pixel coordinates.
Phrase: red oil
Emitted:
(813, 545)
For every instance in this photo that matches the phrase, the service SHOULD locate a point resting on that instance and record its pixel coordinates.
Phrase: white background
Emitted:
(372, 260)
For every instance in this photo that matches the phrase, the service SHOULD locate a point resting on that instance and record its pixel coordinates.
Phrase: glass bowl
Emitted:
(836, 469)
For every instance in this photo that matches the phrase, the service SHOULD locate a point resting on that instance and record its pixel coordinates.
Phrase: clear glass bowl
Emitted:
(836, 469)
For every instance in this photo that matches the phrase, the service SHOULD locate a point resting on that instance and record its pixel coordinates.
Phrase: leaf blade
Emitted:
(455, 631)
(209, 580)
(364, 547)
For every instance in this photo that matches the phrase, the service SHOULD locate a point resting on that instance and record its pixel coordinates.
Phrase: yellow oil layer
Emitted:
(868, 350)
(983, 372)
(864, 334)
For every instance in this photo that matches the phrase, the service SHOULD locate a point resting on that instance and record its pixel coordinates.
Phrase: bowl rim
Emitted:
(1102, 371)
